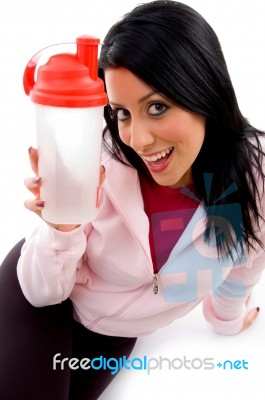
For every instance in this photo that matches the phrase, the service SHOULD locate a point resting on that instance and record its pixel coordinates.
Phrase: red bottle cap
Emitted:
(68, 80)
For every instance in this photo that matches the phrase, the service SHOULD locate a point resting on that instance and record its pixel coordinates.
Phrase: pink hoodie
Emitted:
(106, 269)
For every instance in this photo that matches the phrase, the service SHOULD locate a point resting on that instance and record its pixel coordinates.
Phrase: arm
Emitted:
(48, 264)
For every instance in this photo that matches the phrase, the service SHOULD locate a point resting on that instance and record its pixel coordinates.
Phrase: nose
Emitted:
(141, 136)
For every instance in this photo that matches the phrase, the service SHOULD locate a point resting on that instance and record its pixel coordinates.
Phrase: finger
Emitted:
(33, 184)
(250, 318)
(34, 205)
(33, 157)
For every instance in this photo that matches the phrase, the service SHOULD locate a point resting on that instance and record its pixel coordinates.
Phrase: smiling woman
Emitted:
(166, 137)
(180, 216)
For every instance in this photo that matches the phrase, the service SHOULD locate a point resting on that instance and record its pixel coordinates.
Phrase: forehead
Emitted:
(120, 82)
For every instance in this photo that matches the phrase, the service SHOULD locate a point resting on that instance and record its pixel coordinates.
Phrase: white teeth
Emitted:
(158, 156)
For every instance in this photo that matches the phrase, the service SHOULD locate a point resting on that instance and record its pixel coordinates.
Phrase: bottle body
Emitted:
(69, 147)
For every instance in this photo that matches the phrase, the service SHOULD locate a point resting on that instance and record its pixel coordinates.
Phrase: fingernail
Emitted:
(257, 308)
(29, 149)
(36, 180)
(40, 203)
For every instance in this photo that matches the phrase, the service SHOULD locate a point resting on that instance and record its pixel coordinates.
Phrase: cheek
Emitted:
(194, 144)
(194, 133)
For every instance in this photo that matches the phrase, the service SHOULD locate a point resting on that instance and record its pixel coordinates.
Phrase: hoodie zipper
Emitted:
(155, 287)
(156, 275)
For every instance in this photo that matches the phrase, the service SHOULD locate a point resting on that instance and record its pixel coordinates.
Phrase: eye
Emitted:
(157, 108)
(122, 114)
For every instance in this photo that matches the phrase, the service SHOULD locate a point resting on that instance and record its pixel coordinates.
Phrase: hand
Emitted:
(251, 316)
(33, 184)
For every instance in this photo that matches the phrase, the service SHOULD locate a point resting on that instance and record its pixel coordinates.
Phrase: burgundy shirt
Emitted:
(169, 212)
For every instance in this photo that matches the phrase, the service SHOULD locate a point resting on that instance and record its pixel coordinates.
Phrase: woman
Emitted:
(181, 215)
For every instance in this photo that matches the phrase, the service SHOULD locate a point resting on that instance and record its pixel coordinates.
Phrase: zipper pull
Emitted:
(155, 287)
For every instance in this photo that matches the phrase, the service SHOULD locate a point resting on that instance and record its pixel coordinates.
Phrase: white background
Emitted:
(26, 27)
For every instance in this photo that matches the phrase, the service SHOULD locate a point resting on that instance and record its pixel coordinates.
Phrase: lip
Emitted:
(160, 168)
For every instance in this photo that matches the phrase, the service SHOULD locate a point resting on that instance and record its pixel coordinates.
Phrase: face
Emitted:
(166, 137)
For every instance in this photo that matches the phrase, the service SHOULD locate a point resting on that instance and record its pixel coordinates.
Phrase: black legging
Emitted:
(31, 336)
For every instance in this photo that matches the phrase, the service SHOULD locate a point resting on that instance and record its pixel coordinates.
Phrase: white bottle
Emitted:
(69, 99)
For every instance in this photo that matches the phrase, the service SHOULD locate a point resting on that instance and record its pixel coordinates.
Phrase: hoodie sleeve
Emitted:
(226, 309)
(48, 264)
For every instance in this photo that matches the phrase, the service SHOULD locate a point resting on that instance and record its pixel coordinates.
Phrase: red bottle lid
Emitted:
(68, 80)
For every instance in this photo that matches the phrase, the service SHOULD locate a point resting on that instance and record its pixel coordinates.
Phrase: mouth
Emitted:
(159, 161)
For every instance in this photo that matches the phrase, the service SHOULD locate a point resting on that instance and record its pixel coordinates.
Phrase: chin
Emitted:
(168, 182)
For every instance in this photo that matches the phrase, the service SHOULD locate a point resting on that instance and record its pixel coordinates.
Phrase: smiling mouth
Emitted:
(159, 159)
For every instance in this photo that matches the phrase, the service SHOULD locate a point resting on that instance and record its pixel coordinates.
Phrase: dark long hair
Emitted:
(171, 47)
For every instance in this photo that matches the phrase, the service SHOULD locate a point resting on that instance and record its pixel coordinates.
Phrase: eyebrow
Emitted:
(141, 100)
